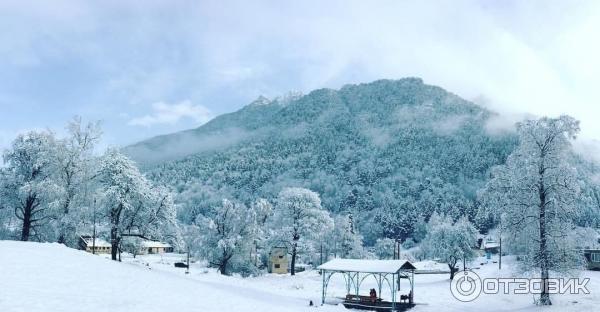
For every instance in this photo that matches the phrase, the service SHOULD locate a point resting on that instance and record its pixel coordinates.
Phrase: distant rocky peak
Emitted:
(261, 100)
(288, 97)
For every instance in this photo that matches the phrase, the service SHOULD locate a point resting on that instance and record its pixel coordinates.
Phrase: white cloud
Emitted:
(534, 57)
(170, 114)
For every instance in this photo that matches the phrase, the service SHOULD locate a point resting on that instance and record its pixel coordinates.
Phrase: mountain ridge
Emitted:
(389, 151)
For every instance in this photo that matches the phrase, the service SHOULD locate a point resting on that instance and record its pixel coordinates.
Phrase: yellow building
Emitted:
(278, 260)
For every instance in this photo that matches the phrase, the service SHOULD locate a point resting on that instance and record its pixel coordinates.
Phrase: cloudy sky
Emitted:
(151, 67)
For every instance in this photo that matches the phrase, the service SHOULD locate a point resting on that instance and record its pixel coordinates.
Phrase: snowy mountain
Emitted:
(390, 151)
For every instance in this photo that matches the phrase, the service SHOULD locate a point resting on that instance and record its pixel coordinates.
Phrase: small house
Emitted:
(490, 246)
(94, 244)
(155, 247)
(278, 260)
(592, 258)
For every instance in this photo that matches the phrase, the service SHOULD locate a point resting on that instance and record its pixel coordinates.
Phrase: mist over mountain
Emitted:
(390, 152)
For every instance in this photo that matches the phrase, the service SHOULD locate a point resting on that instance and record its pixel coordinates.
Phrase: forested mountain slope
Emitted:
(391, 152)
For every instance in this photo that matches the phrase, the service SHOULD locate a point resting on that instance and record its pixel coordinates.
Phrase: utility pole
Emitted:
(500, 254)
(187, 268)
(321, 253)
(397, 246)
(94, 226)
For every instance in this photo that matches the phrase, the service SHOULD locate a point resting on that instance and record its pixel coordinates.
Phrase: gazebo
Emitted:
(355, 272)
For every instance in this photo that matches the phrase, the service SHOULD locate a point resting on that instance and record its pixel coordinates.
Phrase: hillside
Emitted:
(390, 151)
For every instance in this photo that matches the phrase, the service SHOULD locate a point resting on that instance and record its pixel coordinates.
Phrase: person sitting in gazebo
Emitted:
(373, 295)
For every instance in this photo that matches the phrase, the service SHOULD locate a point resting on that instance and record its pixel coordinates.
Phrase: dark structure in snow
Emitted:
(592, 257)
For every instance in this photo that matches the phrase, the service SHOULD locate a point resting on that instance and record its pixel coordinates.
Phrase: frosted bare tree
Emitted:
(534, 196)
(132, 205)
(226, 234)
(28, 185)
(449, 241)
(74, 164)
(298, 220)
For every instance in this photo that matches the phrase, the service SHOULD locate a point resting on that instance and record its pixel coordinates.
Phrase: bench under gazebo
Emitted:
(384, 272)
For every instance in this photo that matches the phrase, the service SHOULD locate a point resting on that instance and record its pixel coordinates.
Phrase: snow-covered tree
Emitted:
(534, 194)
(449, 242)
(298, 220)
(131, 205)
(28, 182)
(384, 248)
(226, 233)
(347, 241)
(74, 170)
(133, 245)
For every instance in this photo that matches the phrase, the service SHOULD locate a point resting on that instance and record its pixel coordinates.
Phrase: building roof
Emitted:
(88, 240)
(489, 244)
(366, 266)
(154, 244)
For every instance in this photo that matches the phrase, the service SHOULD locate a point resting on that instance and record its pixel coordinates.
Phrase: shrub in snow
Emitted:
(449, 242)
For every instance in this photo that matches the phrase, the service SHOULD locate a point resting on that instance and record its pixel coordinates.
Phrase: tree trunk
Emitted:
(452, 270)
(115, 216)
(543, 253)
(223, 265)
(62, 237)
(294, 253)
(114, 243)
(27, 217)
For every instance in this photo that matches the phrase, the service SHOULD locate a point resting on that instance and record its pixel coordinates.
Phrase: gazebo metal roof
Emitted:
(366, 266)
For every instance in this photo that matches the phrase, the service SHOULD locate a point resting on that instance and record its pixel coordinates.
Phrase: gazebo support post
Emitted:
(379, 282)
(412, 287)
(394, 292)
(357, 284)
(323, 288)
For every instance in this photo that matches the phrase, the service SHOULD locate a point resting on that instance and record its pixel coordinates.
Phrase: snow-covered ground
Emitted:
(50, 277)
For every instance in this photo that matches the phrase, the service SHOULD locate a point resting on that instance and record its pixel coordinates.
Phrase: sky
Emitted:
(146, 68)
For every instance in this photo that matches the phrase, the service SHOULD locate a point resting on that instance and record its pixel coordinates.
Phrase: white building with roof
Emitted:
(94, 244)
(155, 247)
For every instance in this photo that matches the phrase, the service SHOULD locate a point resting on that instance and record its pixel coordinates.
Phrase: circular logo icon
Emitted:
(466, 286)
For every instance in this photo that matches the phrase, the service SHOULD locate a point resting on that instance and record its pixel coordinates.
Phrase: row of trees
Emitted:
(54, 189)
(236, 237)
